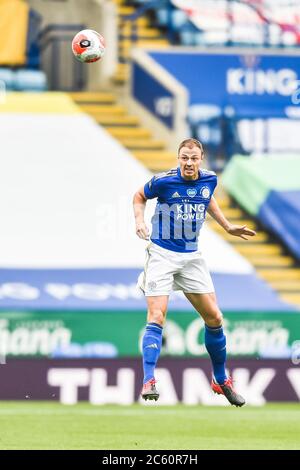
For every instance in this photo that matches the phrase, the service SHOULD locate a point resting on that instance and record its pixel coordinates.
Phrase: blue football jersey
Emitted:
(181, 208)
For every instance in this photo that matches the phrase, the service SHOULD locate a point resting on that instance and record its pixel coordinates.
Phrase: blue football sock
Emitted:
(152, 341)
(215, 342)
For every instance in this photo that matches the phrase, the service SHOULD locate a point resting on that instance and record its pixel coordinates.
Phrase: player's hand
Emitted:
(142, 231)
(241, 231)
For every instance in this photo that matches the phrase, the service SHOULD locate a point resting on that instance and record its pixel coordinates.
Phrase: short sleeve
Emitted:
(151, 189)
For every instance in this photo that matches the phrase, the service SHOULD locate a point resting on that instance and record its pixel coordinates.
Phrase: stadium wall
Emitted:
(158, 98)
(118, 381)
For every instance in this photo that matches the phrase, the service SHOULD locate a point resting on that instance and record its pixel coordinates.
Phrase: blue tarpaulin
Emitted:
(280, 213)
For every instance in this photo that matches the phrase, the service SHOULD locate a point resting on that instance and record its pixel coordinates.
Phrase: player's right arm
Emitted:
(139, 204)
(149, 191)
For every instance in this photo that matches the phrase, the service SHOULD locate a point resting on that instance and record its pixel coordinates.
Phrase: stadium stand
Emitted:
(227, 22)
(127, 128)
(268, 189)
(234, 90)
(135, 29)
(263, 252)
(227, 129)
(14, 29)
(153, 23)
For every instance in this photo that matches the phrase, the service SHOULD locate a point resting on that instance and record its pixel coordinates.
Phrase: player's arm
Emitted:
(241, 231)
(139, 204)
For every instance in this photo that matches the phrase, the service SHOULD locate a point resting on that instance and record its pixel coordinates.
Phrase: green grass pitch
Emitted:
(45, 425)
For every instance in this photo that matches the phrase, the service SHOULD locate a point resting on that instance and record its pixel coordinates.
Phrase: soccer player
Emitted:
(184, 195)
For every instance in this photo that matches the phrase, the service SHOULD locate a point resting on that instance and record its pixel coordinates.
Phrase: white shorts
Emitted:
(167, 270)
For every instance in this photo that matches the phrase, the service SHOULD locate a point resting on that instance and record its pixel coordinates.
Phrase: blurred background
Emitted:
(77, 140)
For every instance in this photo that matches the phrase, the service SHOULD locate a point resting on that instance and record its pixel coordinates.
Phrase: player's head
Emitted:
(190, 156)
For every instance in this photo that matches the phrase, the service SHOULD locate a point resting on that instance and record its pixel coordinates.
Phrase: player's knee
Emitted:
(156, 316)
(215, 318)
(218, 318)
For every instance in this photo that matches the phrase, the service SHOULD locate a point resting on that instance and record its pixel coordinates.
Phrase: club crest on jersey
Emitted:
(205, 192)
(191, 192)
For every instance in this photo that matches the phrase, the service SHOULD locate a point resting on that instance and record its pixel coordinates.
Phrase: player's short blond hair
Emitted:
(190, 143)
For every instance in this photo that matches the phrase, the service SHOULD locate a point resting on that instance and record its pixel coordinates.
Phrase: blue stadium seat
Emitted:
(206, 125)
(210, 134)
(7, 76)
(203, 112)
(199, 38)
(179, 19)
(30, 80)
(187, 34)
(162, 16)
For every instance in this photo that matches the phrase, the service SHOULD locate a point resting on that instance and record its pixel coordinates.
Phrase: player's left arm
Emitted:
(241, 231)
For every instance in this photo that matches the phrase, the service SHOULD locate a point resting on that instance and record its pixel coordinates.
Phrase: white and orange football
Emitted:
(88, 46)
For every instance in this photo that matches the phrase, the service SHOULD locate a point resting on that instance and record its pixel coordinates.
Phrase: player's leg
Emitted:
(215, 342)
(156, 282)
(152, 341)
(157, 309)
(195, 281)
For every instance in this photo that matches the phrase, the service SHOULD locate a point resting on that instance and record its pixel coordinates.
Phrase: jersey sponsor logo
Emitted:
(190, 212)
(175, 194)
(205, 192)
(191, 192)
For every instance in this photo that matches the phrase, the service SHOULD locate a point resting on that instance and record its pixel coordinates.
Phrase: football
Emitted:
(88, 46)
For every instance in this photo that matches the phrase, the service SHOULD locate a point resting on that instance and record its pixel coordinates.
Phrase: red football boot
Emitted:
(227, 390)
(149, 391)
